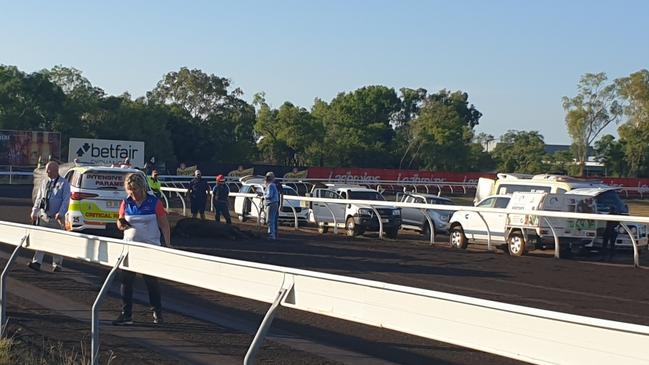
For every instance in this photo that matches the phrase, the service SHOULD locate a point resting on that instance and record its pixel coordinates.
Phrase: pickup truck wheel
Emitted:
(457, 238)
(350, 227)
(516, 244)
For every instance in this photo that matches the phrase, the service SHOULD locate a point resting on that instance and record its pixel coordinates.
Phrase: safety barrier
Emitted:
(523, 333)
(372, 204)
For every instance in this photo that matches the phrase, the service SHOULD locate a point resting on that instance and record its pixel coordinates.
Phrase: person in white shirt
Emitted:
(50, 207)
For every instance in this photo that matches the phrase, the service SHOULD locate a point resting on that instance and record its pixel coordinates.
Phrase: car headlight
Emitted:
(396, 212)
(444, 218)
(364, 211)
(621, 229)
(634, 230)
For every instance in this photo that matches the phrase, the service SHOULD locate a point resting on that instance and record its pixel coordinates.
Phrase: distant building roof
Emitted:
(552, 148)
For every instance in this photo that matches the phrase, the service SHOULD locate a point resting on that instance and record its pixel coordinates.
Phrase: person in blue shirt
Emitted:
(271, 203)
(50, 207)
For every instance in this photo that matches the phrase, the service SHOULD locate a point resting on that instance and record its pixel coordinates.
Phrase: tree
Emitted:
(635, 132)
(611, 153)
(593, 108)
(218, 126)
(29, 101)
(81, 106)
(358, 126)
(199, 93)
(443, 131)
(520, 151)
(562, 163)
(411, 102)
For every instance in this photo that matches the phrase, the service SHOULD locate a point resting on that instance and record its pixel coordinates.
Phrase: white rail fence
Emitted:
(428, 187)
(527, 334)
(424, 207)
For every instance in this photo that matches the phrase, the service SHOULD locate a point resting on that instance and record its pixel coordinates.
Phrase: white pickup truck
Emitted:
(354, 218)
(523, 232)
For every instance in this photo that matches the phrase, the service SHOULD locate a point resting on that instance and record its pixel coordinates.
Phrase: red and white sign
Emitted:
(368, 176)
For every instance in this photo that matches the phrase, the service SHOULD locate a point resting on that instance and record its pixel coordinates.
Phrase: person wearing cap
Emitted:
(271, 203)
(220, 194)
(154, 183)
(198, 190)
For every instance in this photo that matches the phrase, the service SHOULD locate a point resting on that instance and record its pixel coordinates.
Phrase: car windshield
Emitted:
(365, 195)
(610, 198)
(103, 180)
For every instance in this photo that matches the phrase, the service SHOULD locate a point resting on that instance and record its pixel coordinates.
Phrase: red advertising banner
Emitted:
(368, 176)
(626, 182)
(24, 148)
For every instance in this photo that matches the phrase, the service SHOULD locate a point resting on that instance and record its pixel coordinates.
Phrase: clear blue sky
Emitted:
(516, 59)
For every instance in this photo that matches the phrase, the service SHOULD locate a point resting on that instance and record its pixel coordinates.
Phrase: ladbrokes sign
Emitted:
(106, 152)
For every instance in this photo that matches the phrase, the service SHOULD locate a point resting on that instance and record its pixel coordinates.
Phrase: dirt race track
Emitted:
(205, 328)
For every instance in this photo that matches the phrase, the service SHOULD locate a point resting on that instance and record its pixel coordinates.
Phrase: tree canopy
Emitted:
(192, 116)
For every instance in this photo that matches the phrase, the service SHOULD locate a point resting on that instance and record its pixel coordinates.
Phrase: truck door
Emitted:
(484, 189)
(241, 204)
(497, 221)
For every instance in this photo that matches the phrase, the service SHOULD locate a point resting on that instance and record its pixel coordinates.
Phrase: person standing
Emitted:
(271, 203)
(610, 234)
(198, 190)
(141, 217)
(50, 207)
(220, 194)
(154, 183)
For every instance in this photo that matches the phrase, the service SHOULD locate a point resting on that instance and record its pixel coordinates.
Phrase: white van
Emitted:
(524, 232)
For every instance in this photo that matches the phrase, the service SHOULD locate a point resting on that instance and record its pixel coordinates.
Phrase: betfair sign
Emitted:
(106, 152)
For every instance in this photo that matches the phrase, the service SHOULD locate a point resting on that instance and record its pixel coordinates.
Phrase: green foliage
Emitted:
(29, 101)
(611, 153)
(442, 132)
(520, 151)
(593, 108)
(357, 127)
(197, 92)
(635, 132)
(561, 162)
(210, 123)
(290, 135)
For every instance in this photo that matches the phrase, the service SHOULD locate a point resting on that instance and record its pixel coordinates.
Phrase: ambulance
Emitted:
(96, 194)
(605, 197)
(525, 232)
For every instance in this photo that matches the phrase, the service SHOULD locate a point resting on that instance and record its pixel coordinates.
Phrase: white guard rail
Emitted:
(527, 334)
(423, 207)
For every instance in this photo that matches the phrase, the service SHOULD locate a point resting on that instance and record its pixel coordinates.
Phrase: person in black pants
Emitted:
(142, 218)
(220, 195)
(198, 190)
(610, 234)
